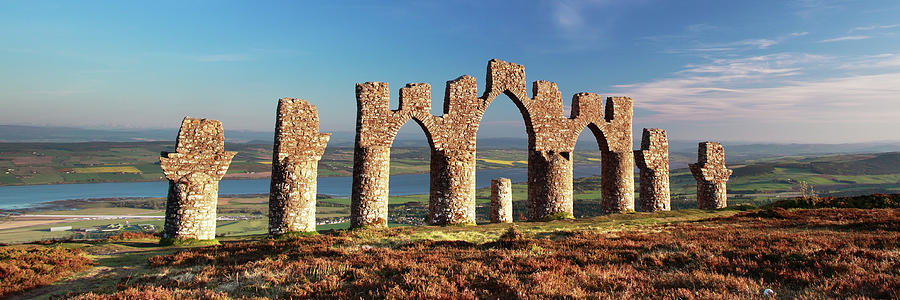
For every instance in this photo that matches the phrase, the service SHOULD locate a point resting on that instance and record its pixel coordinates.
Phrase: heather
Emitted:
(26, 267)
(808, 254)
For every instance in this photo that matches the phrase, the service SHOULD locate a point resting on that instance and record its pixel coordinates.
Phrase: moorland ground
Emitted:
(684, 254)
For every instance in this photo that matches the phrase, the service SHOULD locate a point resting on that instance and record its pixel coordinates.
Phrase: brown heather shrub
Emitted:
(25, 268)
(156, 293)
(807, 254)
(133, 235)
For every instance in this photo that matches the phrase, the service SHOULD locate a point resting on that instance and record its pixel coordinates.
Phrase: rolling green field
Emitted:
(53, 163)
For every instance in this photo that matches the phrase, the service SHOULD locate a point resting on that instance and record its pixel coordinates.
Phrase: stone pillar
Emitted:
(376, 127)
(452, 140)
(371, 178)
(452, 199)
(711, 175)
(617, 181)
(617, 173)
(549, 185)
(295, 163)
(194, 171)
(653, 161)
(501, 201)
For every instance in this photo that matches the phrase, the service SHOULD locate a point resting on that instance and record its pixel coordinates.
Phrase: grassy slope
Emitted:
(681, 254)
(47, 163)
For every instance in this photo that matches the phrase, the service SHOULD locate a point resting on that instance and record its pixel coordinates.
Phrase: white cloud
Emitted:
(874, 27)
(884, 60)
(767, 88)
(846, 38)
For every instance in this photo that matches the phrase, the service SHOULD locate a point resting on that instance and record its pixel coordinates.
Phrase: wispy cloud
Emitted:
(846, 38)
(705, 47)
(873, 27)
(769, 88)
(879, 61)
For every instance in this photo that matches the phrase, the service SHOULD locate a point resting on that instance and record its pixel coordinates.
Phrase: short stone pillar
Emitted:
(711, 175)
(653, 161)
(194, 171)
(501, 201)
(295, 165)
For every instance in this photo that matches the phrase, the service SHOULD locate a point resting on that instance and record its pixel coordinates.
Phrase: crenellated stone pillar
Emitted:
(711, 175)
(617, 156)
(501, 201)
(194, 171)
(653, 161)
(452, 140)
(295, 161)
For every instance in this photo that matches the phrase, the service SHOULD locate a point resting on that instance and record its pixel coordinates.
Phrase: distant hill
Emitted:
(681, 151)
(29, 134)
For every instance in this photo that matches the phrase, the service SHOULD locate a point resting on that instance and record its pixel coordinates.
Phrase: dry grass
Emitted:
(807, 254)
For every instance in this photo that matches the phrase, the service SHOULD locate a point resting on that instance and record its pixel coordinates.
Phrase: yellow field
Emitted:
(265, 162)
(593, 159)
(502, 162)
(117, 169)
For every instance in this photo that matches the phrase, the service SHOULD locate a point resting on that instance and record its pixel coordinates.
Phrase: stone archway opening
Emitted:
(586, 181)
(410, 160)
(502, 141)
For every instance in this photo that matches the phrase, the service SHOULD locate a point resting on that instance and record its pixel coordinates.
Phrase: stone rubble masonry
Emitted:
(653, 161)
(551, 139)
(711, 175)
(501, 201)
(295, 159)
(194, 171)
(376, 127)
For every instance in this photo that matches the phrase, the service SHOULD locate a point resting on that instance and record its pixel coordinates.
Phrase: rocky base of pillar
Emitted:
(452, 196)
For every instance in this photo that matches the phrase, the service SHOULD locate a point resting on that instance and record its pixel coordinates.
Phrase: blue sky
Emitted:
(777, 71)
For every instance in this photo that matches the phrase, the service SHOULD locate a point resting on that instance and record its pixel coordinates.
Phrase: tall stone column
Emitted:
(653, 161)
(501, 201)
(376, 127)
(711, 175)
(452, 193)
(295, 161)
(371, 182)
(194, 171)
(617, 156)
(549, 185)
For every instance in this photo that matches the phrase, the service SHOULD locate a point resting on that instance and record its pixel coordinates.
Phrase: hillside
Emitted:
(91, 162)
(687, 254)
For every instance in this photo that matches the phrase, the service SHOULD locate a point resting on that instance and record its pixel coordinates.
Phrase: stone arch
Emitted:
(452, 137)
